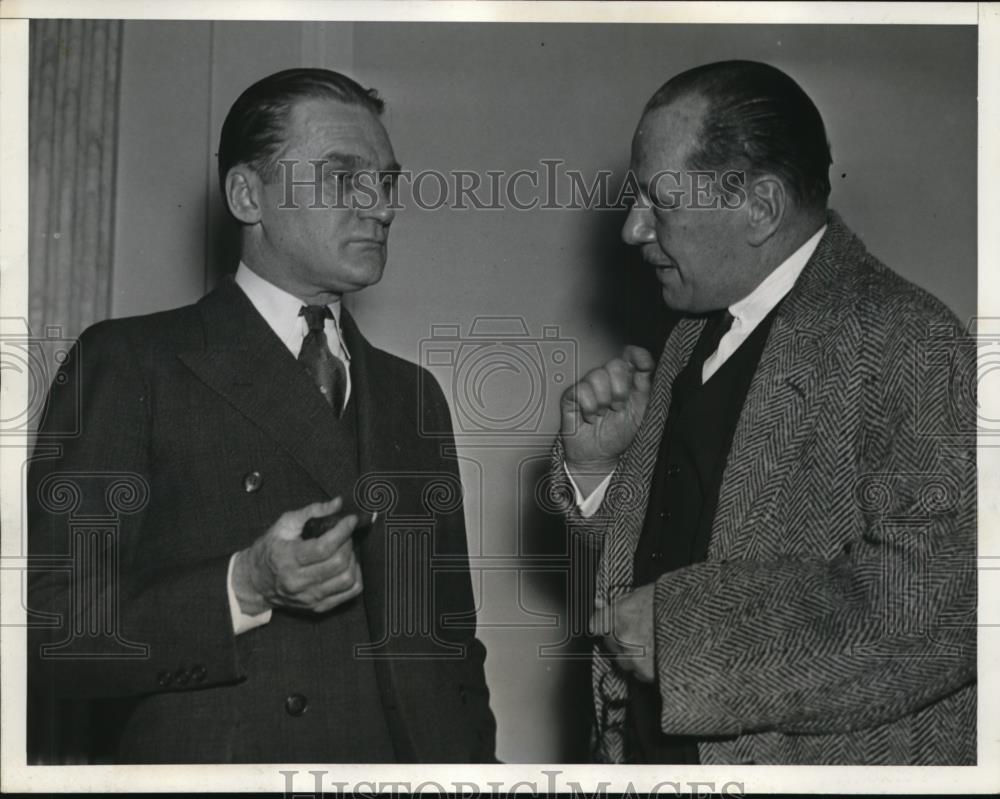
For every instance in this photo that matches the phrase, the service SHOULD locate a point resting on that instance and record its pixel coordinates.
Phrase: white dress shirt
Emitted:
(747, 314)
(281, 312)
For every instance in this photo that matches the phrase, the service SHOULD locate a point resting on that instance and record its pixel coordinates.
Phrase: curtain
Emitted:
(73, 92)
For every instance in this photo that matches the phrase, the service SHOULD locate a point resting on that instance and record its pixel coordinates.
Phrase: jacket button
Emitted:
(164, 678)
(181, 676)
(198, 673)
(656, 556)
(673, 470)
(665, 515)
(296, 704)
(252, 481)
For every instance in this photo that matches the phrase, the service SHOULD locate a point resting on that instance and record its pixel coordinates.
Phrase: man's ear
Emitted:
(766, 207)
(243, 195)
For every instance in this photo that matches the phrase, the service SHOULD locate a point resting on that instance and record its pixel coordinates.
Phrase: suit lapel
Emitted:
(785, 391)
(374, 456)
(366, 385)
(248, 366)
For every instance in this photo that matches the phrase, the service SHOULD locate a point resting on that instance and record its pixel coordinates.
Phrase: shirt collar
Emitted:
(772, 289)
(281, 309)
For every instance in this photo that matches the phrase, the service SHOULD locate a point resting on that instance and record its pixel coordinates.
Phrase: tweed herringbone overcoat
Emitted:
(834, 618)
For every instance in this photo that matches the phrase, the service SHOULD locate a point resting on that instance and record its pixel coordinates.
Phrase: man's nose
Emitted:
(384, 213)
(638, 228)
(383, 210)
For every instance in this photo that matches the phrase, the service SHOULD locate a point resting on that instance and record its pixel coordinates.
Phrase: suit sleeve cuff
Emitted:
(241, 621)
(588, 506)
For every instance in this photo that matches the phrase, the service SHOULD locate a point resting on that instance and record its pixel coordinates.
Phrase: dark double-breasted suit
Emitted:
(197, 430)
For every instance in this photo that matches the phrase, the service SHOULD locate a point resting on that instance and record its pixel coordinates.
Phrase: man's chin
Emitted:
(362, 276)
(675, 300)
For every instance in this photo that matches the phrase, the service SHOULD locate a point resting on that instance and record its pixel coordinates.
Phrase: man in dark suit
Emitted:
(786, 502)
(203, 623)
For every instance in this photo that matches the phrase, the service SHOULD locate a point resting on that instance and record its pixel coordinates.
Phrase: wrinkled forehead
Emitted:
(319, 127)
(665, 135)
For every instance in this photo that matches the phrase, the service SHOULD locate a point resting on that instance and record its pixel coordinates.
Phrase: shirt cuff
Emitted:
(588, 507)
(241, 621)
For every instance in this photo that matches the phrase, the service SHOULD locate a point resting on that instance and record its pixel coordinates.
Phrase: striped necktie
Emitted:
(327, 370)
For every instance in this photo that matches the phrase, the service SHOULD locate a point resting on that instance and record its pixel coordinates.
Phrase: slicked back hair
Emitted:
(254, 131)
(758, 120)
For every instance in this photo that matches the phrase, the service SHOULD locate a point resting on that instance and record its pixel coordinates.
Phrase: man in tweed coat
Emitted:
(786, 502)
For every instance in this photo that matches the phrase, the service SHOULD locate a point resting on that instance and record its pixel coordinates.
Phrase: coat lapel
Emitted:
(366, 383)
(640, 460)
(629, 489)
(785, 392)
(375, 455)
(248, 366)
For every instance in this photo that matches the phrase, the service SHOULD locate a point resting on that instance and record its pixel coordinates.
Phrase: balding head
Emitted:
(755, 119)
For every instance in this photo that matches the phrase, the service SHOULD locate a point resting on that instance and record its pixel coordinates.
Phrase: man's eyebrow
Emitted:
(351, 162)
(344, 160)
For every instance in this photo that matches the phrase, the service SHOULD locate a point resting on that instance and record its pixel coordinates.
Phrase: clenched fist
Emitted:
(601, 414)
(280, 569)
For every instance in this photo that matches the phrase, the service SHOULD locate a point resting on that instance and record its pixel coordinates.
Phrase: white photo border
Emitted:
(17, 776)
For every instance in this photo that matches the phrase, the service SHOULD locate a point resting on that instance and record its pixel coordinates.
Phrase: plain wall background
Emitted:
(900, 109)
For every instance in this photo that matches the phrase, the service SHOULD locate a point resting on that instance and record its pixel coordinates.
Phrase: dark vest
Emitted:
(683, 496)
